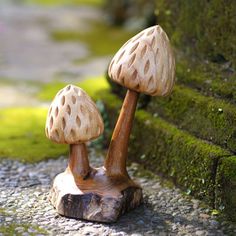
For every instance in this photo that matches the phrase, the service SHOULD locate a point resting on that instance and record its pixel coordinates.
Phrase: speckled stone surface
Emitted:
(24, 193)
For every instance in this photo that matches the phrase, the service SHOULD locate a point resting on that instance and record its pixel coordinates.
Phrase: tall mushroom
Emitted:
(74, 119)
(144, 64)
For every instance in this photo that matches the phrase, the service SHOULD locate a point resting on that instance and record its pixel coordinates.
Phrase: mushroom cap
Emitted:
(145, 63)
(73, 117)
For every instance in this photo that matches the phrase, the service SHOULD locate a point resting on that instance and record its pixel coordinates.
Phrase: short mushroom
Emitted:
(144, 64)
(74, 119)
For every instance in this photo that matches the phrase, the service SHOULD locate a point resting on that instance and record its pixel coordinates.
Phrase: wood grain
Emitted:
(149, 55)
(78, 161)
(73, 117)
(115, 162)
(97, 198)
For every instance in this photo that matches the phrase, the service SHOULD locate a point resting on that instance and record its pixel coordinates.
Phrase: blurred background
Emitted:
(46, 44)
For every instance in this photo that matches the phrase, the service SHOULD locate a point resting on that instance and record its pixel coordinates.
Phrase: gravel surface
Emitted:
(24, 205)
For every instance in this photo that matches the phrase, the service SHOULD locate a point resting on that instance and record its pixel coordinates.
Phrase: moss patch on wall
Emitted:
(203, 28)
(200, 168)
(226, 186)
(210, 80)
(22, 135)
(188, 161)
(205, 117)
(101, 39)
(165, 149)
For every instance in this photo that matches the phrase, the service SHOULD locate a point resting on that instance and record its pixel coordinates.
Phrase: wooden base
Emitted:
(97, 198)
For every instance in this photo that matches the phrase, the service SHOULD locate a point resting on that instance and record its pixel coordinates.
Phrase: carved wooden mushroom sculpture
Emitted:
(144, 64)
(82, 191)
(74, 119)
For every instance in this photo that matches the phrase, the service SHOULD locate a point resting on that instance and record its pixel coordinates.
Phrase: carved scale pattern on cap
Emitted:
(73, 117)
(145, 63)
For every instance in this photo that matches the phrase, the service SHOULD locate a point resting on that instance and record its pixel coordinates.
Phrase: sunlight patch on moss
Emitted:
(22, 135)
(90, 85)
(208, 79)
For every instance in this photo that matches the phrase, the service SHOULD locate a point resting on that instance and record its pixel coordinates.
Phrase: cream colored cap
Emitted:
(73, 117)
(145, 63)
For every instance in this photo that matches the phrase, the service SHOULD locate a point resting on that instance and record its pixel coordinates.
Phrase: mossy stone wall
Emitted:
(200, 168)
(203, 102)
(226, 186)
(205, 117)
(188, 161)
(203, 28)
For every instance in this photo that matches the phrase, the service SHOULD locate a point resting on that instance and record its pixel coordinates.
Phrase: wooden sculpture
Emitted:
(145, 64)
(82, 191)
(74, 119)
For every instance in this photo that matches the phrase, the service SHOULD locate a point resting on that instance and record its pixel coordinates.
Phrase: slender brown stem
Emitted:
(78, 161)
(115, 162)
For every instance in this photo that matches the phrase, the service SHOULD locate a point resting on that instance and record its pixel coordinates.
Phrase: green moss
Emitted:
(90, 85)
(3, 212)
(11, 229)
(208, 79)
(205, 117)
(49, 90)
(22, 135)
(188, 161)
(65, 2)
(226, 186)
(140, 172)
(210, 33)
(101, 39)
(198, 167)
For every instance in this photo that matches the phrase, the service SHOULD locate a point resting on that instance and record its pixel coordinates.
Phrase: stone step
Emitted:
(226, 186)
(188, 161)
(198, 167)
(215, 82)
(205, 117)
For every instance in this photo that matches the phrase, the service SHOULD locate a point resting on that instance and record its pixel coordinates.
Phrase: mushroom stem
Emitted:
(78, 161)
(115, 162)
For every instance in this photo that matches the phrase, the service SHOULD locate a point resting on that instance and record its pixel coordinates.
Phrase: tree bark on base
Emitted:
(73, 201)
